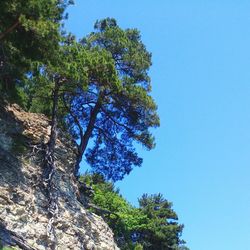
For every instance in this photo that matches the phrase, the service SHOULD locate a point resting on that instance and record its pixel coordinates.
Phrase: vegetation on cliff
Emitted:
(153, 225)
(98, 90)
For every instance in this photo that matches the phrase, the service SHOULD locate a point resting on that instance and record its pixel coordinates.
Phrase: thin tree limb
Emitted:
(10, 29)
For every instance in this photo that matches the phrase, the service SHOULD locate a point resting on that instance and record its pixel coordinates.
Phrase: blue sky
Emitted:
(201, 83)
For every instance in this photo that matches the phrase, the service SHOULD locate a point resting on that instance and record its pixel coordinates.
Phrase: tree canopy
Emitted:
(163, 231)
(116, 110)
(29, 31)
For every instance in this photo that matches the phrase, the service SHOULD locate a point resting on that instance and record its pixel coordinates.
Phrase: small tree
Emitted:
(163, 231)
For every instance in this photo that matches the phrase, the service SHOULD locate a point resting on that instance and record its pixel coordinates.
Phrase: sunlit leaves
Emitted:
(152, 226)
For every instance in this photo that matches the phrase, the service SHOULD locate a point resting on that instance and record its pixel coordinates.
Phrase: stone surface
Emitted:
(23, 202)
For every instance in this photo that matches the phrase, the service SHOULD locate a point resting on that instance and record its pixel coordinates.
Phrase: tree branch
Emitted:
(10, 29)
(116, 122)
(104, 133)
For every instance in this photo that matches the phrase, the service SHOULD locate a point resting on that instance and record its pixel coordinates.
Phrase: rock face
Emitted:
(23, 202)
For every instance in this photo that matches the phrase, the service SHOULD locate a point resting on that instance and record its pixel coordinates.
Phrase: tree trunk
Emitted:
(49, 160)
(50, 183)
(85, 138)
(53, 134)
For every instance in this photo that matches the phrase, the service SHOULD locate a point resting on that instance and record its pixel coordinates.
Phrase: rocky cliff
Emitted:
(24, 218)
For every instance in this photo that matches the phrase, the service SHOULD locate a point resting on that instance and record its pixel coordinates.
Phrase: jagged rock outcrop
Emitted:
(23, 203)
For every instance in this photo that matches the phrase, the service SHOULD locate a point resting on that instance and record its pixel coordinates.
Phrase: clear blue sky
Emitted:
(201, 83)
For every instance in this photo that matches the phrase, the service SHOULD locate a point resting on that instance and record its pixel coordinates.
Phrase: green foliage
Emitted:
(163, 231)
(116, 110)
(102, 83)
(65, 70)
(7, 248)
(151, 226)
(123, 218)
(102, 91)
(29, 32)
(138, 247)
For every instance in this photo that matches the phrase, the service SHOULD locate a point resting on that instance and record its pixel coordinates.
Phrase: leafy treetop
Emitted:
(114, 112)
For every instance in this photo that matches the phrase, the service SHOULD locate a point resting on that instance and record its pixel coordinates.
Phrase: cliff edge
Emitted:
(24, 218)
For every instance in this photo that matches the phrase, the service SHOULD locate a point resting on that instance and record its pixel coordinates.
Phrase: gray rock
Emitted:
(23, 203)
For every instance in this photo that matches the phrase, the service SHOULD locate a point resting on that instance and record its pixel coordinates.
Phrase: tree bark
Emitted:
(50, 183)
(86, 136)
(53, 134)
(49, 159)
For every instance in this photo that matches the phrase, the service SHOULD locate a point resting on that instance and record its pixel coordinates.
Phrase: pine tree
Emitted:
(163, 231)
(116, 110)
